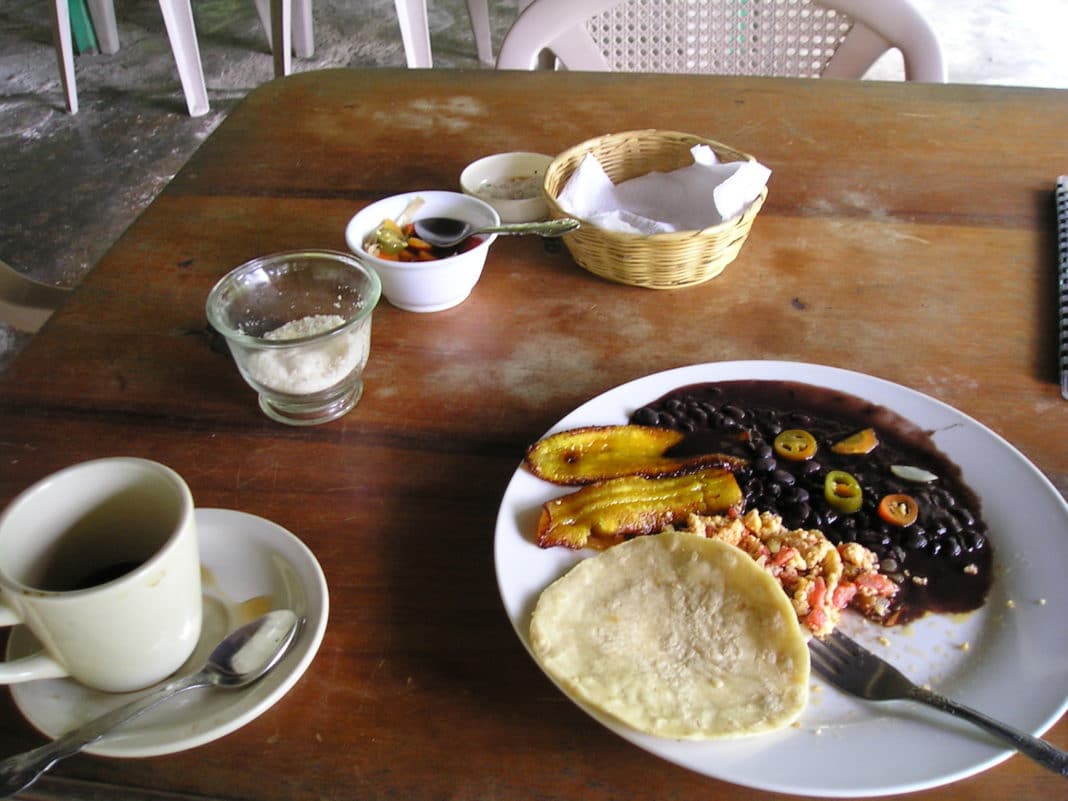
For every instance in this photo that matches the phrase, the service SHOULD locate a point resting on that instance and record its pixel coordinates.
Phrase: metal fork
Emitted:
(854, 669)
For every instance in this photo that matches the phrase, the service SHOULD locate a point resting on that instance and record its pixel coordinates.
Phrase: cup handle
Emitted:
(30, 668)
(27, 668)
(7, 615)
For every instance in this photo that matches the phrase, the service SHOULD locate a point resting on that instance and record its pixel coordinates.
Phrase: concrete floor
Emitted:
(71, 184)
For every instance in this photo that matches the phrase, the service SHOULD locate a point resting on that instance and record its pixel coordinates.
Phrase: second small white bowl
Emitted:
(511, 183)
(425, 286)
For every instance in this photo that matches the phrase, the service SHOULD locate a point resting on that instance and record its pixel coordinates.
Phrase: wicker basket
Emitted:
(657, 261)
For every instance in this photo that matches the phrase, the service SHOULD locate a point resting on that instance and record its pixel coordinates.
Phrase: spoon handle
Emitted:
(564, 225)
(20, 771)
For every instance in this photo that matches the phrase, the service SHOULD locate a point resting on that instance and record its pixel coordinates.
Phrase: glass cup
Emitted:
(298, 325)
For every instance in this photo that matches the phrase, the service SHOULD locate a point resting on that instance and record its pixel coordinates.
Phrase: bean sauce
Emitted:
(942, 562)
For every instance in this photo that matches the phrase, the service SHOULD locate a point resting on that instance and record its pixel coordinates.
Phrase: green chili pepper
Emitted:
(842, 492)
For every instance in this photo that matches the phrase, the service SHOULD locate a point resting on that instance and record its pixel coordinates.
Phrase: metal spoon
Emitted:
(444, 232)
(241, 658)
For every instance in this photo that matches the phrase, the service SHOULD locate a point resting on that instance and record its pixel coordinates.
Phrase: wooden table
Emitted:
(908, 234)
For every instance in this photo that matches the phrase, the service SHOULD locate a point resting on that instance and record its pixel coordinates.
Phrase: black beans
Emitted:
(783, 477)
(646, 417)
(948, 530)
(916, 540)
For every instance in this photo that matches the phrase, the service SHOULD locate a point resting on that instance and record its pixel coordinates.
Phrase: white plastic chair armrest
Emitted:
(558, 25)
(900, 25)
(25, 304)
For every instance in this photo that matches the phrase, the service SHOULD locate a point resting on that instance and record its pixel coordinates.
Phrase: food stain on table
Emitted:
(428, 115)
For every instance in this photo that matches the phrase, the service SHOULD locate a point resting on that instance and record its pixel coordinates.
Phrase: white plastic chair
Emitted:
(411, 18)
(178, 19)
(295, 35)
(794, 38)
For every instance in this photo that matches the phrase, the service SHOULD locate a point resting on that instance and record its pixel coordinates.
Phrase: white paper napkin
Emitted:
(704, 193)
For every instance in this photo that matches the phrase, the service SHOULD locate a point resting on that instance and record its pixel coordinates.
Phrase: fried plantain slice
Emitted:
(596, 453)
(604, 513)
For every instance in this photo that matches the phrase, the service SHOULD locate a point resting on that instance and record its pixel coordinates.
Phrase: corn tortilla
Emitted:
(675, 635)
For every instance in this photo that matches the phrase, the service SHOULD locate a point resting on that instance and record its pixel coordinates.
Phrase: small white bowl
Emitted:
(426, 286)
(511, 183)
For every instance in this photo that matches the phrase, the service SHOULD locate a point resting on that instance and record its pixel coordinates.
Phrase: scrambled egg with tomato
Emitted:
(819, 578)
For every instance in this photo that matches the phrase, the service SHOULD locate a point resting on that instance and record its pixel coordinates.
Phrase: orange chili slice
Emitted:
(864, 441)
(899, 509)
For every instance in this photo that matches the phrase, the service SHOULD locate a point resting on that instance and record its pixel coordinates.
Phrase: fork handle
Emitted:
(1039, 750)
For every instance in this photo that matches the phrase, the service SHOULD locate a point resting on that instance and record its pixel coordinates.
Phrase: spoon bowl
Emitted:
(445, 232)
(244, 656)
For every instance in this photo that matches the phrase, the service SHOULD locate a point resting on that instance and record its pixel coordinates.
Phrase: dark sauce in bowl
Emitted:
(942, 562)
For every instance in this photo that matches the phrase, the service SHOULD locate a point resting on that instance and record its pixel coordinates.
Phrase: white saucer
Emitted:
(250, 566)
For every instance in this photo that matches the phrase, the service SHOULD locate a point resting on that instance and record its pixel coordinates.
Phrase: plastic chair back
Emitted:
(790, 38)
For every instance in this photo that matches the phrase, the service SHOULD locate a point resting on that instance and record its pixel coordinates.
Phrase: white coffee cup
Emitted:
(100, 561)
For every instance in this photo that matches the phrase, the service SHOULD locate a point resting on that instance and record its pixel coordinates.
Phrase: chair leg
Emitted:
(478, 11)
(102, 13)
(296, 26)
(303, 29)
(178, 19)
(263, 11)
(64, 51)
(415, 32)
(282, 36)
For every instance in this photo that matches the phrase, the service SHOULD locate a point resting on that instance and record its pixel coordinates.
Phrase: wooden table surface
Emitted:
(908, 234)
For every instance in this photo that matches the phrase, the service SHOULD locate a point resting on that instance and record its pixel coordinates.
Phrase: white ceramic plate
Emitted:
(1009, 659)
(250, 566)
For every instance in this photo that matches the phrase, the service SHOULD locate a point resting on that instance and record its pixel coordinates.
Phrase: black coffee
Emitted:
(68, 580)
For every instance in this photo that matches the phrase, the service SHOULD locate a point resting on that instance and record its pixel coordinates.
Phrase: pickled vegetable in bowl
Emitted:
(394, 241)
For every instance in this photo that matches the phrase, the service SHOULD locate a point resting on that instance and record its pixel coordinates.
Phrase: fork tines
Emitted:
(851, 667)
